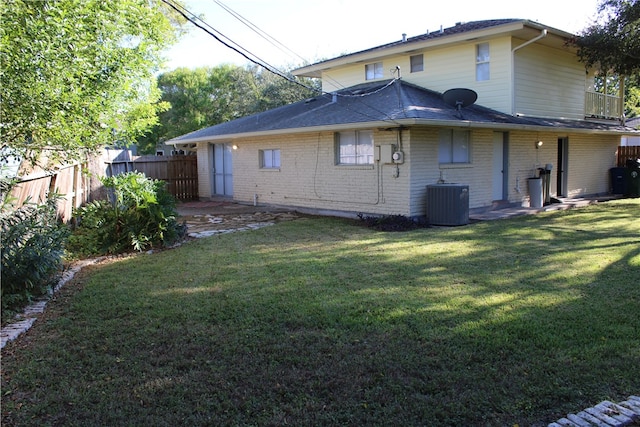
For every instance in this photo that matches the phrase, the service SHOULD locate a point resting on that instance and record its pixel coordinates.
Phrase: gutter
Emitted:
(542, 34)
(465, 124)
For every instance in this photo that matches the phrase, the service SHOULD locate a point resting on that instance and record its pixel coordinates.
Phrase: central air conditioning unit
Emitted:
(448, 204)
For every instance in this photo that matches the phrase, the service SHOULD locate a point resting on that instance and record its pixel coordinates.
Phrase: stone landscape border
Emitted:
(25, 320)
(605, 414)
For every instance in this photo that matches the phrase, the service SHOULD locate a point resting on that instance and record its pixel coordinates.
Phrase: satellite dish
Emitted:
(459, 98)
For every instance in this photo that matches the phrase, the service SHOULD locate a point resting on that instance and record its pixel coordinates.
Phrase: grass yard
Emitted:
(320, 321)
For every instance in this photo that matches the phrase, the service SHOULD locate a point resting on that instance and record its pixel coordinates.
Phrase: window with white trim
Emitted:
(373, 71)
(455, 146)
(417, 63)
(355, 147)
(270, 159)
(482, 62)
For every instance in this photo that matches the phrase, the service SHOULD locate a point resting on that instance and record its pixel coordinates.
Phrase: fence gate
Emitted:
(180, 173)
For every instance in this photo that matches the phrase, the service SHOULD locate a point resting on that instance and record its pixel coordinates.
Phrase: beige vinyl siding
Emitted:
(454, 67)
(352, 75)
(340, 78)
(549, 83)
(309, 177)
(444, 68)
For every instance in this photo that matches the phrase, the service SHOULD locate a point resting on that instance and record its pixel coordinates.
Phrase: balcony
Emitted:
(602, 106)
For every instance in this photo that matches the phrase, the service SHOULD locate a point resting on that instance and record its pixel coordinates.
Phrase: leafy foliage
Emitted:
(614, 43)
(32, 248)
(207, 96)
(140, 215)
(632, 96)
(77, 75)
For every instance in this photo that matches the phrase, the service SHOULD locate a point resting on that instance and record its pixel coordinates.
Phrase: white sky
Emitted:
(317, 30)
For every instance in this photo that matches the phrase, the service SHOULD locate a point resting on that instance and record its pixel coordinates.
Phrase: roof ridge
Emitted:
(460, 27)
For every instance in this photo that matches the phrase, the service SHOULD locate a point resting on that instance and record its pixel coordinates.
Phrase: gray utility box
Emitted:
(448, 204)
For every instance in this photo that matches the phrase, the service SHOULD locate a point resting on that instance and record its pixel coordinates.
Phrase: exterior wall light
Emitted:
(539, 144)
(234, 146)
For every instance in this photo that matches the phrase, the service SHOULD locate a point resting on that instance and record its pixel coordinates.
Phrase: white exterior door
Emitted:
(222, 171)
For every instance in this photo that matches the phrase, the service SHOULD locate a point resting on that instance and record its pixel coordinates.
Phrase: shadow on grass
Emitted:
(319, 322)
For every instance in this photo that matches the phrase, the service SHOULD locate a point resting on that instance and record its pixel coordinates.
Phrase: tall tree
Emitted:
(613, 43)
(78, 74)
(207, 96)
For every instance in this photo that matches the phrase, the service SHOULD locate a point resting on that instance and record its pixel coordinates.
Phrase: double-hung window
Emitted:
(417, 63)
(373, 71)
(482, 62)
(355, 147)
(270, 159)
(455, 146)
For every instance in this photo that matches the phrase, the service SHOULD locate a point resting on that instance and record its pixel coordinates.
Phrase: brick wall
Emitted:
(309, 177)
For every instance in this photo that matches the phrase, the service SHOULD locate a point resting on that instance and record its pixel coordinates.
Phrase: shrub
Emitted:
(139, 215)
(32, 248)
(390, 222)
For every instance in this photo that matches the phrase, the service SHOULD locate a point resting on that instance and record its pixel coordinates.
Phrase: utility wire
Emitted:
(268, 37)
(253, 27)
(191, 17)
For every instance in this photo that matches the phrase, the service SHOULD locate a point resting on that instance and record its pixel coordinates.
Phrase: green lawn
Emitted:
(320, 321)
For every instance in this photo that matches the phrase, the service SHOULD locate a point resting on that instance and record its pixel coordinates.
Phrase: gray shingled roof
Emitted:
(394, 102)
(445, 32)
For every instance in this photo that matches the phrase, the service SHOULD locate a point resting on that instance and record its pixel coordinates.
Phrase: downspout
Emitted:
(542, 34)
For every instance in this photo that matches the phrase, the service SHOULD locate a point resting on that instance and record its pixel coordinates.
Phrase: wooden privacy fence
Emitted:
(179, 172)
(623, 154)
(68, 181)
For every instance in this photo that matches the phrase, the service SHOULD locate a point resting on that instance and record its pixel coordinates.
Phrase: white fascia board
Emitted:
(400, 123)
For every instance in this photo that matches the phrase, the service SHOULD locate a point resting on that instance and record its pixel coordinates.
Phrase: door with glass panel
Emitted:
(222, 170)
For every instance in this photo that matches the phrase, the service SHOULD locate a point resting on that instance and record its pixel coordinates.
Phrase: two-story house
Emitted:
(388, 126)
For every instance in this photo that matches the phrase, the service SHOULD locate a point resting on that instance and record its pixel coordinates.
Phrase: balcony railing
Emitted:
(602, 106)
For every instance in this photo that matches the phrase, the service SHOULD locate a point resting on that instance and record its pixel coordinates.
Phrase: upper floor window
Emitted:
(355, 147)
(455, 146)
(270, 159)
(482, 62)
(417, 63)
(373, 71)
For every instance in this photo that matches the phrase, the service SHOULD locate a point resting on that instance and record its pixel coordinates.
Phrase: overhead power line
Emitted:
(253, 27)
(195, 20)
(204, 26)
(273, 41)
